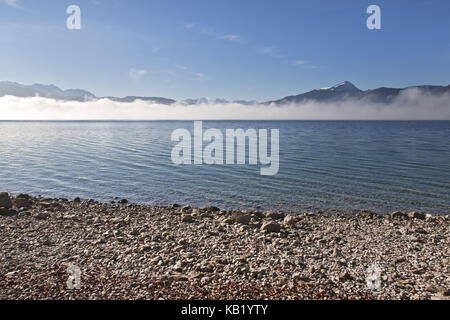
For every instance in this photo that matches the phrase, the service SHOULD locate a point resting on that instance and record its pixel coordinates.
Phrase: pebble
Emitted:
(187, 218)
(416, 215)
(271, 227)
(5, 200)
(274, 215)
(289, 220)
(243, 218)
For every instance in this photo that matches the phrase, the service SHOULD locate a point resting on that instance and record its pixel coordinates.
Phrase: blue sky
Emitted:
(247, 49)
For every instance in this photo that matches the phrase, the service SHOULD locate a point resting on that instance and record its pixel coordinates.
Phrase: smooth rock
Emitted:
(367, 214)
(431, 289)
(41, 215)
(205, 280)
(271, 227)
(344, 276)
(444, 292)
(134, 232)
(416, 215)
(186, 209)
(186, 218)
(243, 218)
(289, 220)
(5, 200)
(398, 215)
(228, 220)
(22, 202)
(211, 208)
(3, 211)
(274, 215)
(12, 212)
(258, 215)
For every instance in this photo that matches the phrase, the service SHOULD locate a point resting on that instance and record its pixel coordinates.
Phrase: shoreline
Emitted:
(286, 210)
(132, 251)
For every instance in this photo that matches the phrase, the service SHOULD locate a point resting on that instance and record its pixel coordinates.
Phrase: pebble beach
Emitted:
(132, 251)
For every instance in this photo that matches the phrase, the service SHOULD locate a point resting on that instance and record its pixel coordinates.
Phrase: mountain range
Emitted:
(53, 92)
(339, 92)
(347, 90)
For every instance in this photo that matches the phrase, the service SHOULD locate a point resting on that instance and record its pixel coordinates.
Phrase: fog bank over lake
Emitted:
(410, 105)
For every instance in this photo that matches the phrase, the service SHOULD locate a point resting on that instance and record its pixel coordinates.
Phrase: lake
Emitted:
(323, 165)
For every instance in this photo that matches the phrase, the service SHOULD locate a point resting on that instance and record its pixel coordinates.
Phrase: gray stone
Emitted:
(289, 220)
(398, 215)
(5, 200)
(42, 215)
(186, 218)
(344, 276)
(211, 208)
(274, 215)
(12, 212)
(416, 215)
(367, 214)
(271, 227)
(228, 220)
(243, 218)
(444, 292)
(431, 289)
(22, 202)
(186, 209)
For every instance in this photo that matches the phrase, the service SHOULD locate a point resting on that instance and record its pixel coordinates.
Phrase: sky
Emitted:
(247, 49)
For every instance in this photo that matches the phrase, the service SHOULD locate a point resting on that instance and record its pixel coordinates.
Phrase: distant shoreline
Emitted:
(223, 120)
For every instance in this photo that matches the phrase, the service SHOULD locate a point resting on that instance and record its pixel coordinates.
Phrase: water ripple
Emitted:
(377, 165)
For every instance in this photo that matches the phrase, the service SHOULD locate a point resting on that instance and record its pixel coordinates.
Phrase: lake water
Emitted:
(327, 165)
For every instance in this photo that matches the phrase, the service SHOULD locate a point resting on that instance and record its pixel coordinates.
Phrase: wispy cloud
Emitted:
(13, 3)
(198, 76)
(187, 74)
(272, 52)
(182, 72)
(211, 32)
(275, 53)
(303, 64)
(229, 37)
(299, 62)
(137, 74)
(180, 67)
